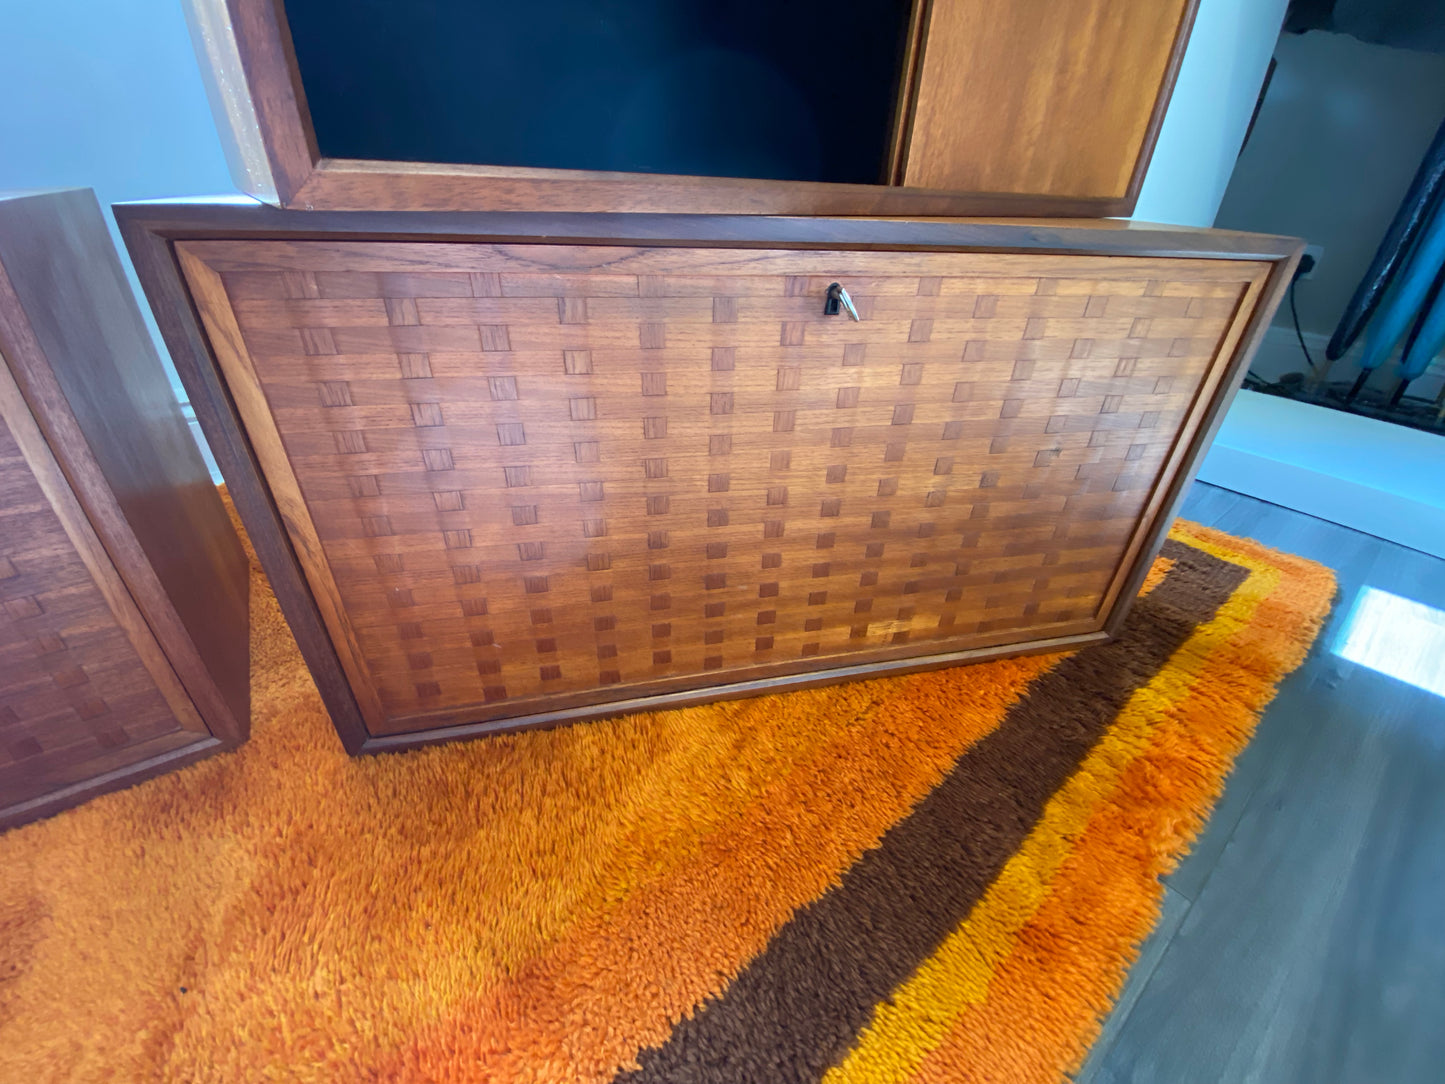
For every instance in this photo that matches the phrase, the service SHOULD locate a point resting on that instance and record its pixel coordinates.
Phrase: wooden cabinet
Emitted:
(1062, 98)
(505, 471)
(905, 107)
(123, 588)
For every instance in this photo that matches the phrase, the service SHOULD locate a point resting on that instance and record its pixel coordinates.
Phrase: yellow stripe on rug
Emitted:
(920, 1013)
(1036, 1010)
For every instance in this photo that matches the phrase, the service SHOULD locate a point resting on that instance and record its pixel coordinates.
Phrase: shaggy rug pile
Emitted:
(928, 878)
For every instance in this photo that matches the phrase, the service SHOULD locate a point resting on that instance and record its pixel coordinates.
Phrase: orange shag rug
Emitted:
(928, 878)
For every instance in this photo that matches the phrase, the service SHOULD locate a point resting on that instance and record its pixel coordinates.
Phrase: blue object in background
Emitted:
(1428, 341)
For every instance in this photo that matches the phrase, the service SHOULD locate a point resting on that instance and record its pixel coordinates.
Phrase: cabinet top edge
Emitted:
(1101, 237)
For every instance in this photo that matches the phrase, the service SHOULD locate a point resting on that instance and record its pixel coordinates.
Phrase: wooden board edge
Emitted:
(1258, 321)
(746, 675)
(1130, 198)
(160, 276)
(74, 794)
(366, 185)
(218, 55)
(916, 41)
(223, 221)
(731, 691)
(273, 83)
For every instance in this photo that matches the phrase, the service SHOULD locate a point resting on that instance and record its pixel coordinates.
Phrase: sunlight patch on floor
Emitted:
(1396, 636)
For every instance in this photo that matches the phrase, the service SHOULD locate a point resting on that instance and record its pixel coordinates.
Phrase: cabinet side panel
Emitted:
(87, 365)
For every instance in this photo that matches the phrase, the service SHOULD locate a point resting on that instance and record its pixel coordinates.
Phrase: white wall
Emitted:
(106, 94)
(1214, 97)
(1340, 135)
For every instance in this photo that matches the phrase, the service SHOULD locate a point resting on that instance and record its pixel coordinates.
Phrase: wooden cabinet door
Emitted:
(85, 690)
(528, 482)
(1042, 96)
(124, 627)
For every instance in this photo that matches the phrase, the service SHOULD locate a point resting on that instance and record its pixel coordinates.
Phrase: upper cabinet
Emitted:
(864, 107)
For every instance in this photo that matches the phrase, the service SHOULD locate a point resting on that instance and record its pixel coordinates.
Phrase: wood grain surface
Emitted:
(1044, 97)
(81, 354)
(76, 696)
(122, 582)
(523, 478)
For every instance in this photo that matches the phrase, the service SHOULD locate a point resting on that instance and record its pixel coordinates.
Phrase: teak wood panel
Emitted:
(1043, 96)
(84, 688)
(102, 478)
(524, 478)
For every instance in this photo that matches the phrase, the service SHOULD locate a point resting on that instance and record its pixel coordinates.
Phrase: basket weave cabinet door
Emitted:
(124, 627)
(531, 481)
(86, 690)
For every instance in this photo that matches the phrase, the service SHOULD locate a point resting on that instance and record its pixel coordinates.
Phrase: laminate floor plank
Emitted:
(1352, 555)
(1313, 948)
(1205, 503)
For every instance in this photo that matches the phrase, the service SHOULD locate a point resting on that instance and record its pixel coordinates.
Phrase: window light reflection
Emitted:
(1396, 636)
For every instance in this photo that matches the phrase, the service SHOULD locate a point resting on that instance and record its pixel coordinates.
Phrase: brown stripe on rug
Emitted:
(796, 1009)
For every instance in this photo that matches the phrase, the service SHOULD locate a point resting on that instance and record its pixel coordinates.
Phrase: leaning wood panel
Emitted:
(524, 480)
(1043, 96)
(80, 351)
(79, 693)
(123, 588)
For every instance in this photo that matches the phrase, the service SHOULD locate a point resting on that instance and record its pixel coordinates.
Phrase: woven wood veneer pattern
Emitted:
(594, 469)
(75, 689)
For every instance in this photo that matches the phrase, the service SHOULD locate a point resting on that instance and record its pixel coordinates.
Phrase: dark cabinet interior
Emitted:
(728, 88)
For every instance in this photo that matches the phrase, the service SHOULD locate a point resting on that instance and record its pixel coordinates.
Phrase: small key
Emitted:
(836, 295)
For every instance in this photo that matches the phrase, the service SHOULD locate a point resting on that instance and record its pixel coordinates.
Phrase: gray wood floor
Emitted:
(1303, 940)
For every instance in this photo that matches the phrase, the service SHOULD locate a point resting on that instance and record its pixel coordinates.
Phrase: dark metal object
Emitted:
(838, 296)
(1416, 207)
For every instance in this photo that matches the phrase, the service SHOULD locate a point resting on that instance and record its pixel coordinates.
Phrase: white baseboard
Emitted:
(1385, 480)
